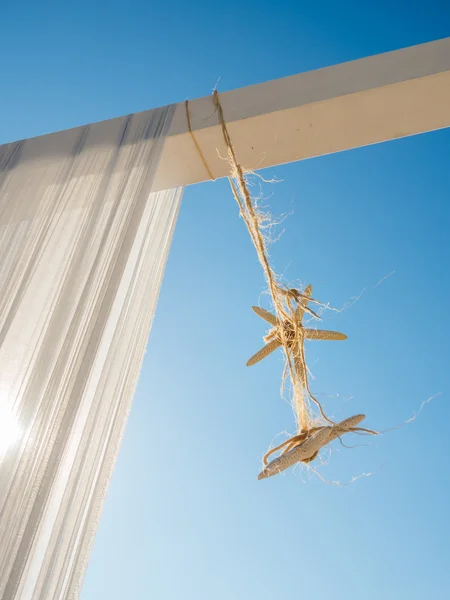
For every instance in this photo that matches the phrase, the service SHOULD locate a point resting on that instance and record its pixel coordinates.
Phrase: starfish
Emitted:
(311, 443)
(274, 339)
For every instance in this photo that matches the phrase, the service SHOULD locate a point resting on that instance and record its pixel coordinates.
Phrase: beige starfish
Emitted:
(307, 450)
(274, 338)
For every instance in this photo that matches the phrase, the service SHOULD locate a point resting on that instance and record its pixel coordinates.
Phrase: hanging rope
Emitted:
(315, 428)
(285, 302)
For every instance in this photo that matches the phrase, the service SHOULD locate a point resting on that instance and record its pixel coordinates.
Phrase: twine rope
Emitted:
(283, 301)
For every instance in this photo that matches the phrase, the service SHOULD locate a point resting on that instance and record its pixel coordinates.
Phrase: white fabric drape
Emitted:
(83, 246)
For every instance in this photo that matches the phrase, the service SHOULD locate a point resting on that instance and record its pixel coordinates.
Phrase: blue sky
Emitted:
(185, 516)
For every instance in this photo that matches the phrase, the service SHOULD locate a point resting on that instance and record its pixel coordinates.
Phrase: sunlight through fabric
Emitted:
(84, 245)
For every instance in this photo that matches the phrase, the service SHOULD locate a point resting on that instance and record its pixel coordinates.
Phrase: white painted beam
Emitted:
(354, 104)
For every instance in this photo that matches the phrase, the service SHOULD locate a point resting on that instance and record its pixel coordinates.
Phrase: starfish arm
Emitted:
(309, 450)
(351, 422)
(266, 315)
(299, 453)
(302, 304)
(285, 446)
(322, 334)
(346, 426)
(290, 443)
(311, 458)
(265, 351)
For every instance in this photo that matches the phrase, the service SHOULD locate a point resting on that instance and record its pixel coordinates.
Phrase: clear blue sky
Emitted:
(186, 517)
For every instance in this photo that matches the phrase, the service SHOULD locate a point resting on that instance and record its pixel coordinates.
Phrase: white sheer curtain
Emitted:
(83, 246)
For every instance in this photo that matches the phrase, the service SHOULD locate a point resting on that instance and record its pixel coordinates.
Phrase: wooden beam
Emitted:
(354, 104)
(350, 105)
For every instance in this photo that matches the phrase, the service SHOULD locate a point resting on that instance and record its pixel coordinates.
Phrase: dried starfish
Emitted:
(307, 450)
(287, 329)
